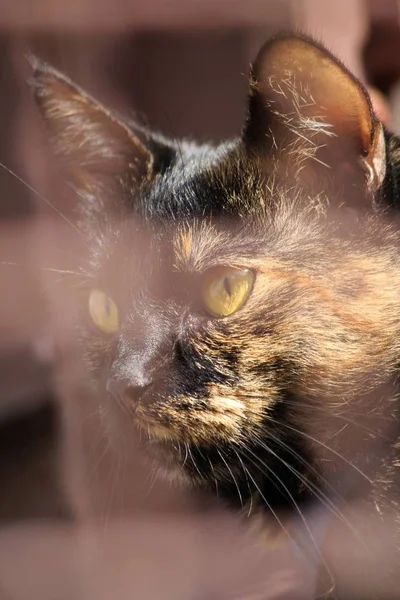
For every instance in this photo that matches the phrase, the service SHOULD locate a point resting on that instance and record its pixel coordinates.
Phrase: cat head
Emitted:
(229, 294)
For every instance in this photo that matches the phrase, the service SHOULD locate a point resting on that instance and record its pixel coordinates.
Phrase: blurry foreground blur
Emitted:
(183, 65)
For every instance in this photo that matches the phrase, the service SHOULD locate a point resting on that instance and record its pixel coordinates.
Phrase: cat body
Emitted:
(242, 318)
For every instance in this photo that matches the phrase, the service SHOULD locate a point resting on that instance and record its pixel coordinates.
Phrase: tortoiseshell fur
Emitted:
(268, 404)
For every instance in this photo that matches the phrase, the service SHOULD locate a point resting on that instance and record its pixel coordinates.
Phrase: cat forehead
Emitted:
(204, 180)
(197, 245)
(212, 205)
(184, 191)
(201, 224)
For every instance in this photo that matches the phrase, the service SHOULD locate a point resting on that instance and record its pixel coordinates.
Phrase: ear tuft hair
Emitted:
(302, 97)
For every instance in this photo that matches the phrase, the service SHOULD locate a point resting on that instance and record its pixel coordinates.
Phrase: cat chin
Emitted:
(168, 463)
(175, 475)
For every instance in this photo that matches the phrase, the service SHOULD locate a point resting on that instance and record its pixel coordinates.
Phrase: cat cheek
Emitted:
(220, 418)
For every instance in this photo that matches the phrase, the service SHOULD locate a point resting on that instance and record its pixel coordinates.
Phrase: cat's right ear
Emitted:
(93, 142)
(307, 110)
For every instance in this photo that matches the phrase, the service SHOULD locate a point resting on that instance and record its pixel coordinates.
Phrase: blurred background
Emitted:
(182, 66)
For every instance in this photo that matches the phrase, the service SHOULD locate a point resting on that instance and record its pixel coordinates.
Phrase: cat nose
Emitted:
(132, 390)
(140, 359)
(136, 393)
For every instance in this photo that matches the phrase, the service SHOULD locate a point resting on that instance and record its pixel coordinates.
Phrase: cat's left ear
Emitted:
(304, 104)
(93, 142)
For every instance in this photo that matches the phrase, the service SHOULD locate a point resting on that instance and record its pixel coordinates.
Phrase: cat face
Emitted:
(229, 293)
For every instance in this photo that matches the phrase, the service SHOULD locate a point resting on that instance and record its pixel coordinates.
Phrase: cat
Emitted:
(242, 312)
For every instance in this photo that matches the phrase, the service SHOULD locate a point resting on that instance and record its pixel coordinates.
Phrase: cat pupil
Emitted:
(227, 286)
(107, 306)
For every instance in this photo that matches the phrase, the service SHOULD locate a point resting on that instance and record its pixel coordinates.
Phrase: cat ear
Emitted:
(304, 103)
(93, 142)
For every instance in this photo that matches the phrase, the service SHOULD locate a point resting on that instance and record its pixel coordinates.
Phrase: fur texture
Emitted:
(272, 405)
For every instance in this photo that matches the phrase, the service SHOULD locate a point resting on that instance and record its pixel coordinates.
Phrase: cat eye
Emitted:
(226, 289)
(103, 312)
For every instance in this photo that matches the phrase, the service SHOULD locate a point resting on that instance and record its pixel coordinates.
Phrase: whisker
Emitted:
(186, 455)
(60, 280)
(151, 480)
(194, 462)
(304, 462)
(81, 283)
(300, 458)
(316, 441)
(247, 481)
(232, 475)
(313, 406)
(325, 500)
(320, 443)
(298, 510)
(41, 197)
(178, 447)
(279, 480)
(120, 403)
(149, 476)
(97, 439)
(215, 478)
(102, 455)
(90, 416)
(50, 269)
(269, 506)
(346, 419)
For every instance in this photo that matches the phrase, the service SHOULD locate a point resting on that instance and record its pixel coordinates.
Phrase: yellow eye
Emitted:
(103, 311)
(226, 289)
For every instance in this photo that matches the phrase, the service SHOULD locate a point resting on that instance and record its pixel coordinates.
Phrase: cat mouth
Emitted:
(161, 448)
(148, 409)
(139, 402)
